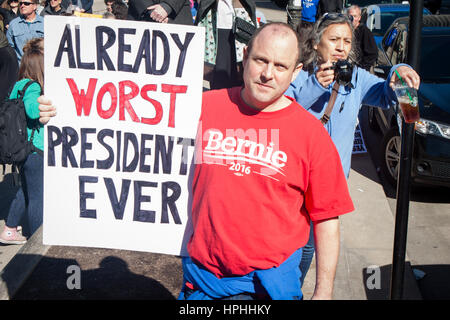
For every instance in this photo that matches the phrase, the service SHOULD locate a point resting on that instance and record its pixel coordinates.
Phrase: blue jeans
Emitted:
(29, 197)
(307, 255)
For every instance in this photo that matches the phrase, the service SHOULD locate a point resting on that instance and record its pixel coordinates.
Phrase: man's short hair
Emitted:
(354, 7)
(280, 24)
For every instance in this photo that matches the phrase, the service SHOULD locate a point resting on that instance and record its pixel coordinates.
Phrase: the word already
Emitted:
(106, 37)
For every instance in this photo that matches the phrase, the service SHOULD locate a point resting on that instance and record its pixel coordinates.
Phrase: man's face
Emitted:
(356, 14)
(27, 7)
(55, 4)
(269, 67)
(335, 43)
(14, 4)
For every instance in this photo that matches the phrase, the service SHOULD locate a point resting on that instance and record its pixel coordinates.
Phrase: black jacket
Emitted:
(367, 48)
(330, 6)
(8, 16)
(179, 10)
(48, 11)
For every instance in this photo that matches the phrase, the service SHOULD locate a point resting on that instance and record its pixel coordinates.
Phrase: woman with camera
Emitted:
(333, 89)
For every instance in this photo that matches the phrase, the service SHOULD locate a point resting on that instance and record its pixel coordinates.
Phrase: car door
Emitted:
(392, 52)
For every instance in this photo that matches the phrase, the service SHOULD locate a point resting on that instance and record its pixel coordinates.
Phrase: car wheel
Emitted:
(373, 124)
(391, 148)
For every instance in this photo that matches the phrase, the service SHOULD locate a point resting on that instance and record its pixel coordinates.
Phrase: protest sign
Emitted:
(358, 142)
(118, 155)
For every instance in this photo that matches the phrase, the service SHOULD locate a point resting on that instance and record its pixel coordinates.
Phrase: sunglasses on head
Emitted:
(25, 3)
(334, 16)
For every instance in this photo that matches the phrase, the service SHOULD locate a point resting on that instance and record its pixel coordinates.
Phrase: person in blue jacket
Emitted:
(332, 39)
(309, 10)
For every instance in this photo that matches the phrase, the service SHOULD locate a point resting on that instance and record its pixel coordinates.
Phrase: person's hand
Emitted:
(46, 109)
(408, 75)
(158, 13)
(325, 74)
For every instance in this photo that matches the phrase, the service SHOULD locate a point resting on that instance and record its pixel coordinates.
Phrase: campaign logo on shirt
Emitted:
(239, 151)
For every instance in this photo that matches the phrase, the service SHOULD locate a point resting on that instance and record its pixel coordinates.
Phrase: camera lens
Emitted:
(344, 71)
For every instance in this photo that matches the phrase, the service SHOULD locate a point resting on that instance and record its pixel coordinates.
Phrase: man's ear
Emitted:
(245, 57)
(297, 70)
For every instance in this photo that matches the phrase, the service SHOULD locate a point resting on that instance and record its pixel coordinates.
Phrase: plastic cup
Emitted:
(409, 102)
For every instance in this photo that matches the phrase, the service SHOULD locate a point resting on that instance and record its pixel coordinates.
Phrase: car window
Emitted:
(389, 41)
(364, 3)
(399, 49)
(434, 62)
(378, 22)
(386, 19)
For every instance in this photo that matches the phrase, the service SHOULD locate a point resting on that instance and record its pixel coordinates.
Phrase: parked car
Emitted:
(380, 17)
(445, 7)
(431, 152)
(438, 8)
(365, 3)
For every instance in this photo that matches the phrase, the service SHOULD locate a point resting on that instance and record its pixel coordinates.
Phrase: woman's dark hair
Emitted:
(32, 63)
(119, 10)
(310, 57)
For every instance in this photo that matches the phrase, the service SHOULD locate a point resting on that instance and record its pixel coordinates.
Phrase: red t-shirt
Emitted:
(259, 178)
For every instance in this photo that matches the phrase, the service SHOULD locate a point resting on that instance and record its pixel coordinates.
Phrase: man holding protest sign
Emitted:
(165, 11)
(118, 156)
(256, 186)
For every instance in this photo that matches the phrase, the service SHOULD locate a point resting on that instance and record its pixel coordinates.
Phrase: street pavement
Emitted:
(34, 271)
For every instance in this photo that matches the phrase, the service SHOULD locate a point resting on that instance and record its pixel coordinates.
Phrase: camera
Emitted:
(343, 70)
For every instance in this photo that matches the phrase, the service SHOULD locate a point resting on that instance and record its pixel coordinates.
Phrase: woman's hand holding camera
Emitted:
(325, 74)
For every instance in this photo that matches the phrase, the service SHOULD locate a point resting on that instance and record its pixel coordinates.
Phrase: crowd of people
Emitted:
(255, 235)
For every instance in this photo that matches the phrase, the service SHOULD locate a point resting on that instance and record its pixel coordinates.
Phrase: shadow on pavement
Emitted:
(360, 165)
(377, 283)
(15, 273)
(104, 274)
(112, 280)
(435, 281)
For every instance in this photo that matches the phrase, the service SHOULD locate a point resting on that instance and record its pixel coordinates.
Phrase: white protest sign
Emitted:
(119, 152)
